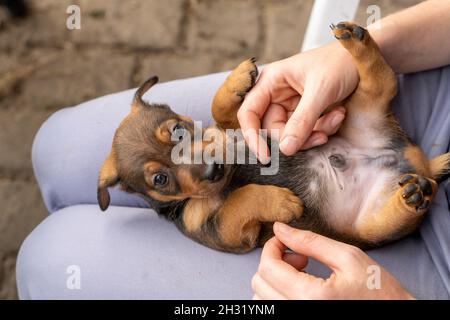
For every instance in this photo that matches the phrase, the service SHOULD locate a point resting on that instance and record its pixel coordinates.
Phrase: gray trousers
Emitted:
(128, 252)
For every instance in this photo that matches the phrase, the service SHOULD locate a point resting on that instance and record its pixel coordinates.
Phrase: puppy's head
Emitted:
(141, 159)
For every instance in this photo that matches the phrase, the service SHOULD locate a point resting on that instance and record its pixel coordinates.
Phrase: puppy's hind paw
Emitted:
(347, 30)
(417, 192)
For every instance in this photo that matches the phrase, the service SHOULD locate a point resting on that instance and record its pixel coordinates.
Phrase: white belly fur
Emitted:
(357, 189)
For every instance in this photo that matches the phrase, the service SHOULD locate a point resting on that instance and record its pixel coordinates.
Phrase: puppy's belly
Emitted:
(356, 181)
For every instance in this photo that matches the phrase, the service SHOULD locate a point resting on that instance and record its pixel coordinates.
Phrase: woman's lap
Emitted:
(128, 253)
(131, 253)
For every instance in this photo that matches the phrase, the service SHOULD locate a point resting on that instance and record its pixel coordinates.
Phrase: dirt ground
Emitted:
(45, 67)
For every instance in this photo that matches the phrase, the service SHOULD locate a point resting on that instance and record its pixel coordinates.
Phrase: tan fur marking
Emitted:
(418, 160)
(163, 132)
(382, 225)
(186, 119)
(240, 218)
(108, 172)
(393, 221)
(167, 198)
(108, 177)
(197, 211)
(439, 164)
(152, 167)
(187, 183)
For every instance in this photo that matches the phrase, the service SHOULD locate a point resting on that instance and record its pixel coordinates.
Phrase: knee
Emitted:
(75, 249)
(44, 141)
(24, 267)
(46, 148)
(34, 264)
(46, 258)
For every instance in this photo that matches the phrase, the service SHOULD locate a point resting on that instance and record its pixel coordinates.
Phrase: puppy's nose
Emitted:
(214, 172)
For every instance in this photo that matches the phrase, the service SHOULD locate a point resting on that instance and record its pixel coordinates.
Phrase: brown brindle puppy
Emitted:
(368, 185)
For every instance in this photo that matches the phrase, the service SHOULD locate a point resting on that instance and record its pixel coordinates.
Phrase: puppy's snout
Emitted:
(214, 172)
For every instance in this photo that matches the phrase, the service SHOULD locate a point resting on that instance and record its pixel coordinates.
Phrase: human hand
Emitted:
(280, 274)
(291, 95)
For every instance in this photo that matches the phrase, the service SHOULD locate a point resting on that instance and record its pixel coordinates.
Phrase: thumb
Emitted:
(300, 125)
(311, 244)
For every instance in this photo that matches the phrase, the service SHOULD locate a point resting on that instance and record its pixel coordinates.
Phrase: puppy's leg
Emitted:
(440, 168)
(236, 225)
(368, 123)
(378, 83)
(239, 220)
(230, 95)
(404, 208)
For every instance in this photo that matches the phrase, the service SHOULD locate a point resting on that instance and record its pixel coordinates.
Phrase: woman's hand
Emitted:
(291, 96)
(280, 274)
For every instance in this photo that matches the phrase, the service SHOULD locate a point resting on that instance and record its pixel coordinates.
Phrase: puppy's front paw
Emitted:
(286, 204)
(243, 78)
(417, 192)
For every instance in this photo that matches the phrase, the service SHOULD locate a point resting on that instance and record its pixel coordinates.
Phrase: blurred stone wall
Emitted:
(45, 67)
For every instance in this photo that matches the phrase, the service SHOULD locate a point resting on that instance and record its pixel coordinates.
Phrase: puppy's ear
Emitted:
(109, 177)
(150, 82)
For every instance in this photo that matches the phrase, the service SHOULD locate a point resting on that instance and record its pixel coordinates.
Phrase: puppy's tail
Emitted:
(440, 167)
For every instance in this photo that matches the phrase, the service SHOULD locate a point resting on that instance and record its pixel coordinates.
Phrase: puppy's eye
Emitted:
(160, 179)
(178, 132)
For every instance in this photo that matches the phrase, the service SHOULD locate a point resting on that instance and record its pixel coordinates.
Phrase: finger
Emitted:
(298, 261)
(326, 125)
(277, 114)
(273, 249)
(275, 119)
(325, 250)
(317, 138)
(301, 123)
(259, 145)
(264, 291)
(281, 276)
(331, 121)
(256, 297)
(250, 114)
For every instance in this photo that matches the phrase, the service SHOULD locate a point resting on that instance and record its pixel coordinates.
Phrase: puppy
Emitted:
(367, 186)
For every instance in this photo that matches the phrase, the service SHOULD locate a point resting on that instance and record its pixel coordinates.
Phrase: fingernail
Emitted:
(289, 145)
(264, 159)
(263, 154)
(337, 119)
(281, 229)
